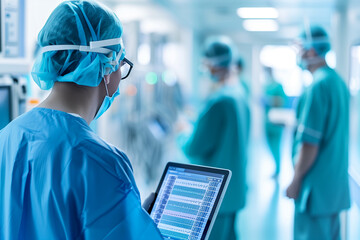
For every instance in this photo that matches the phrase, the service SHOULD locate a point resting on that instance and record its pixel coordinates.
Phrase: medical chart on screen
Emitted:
(184, 203)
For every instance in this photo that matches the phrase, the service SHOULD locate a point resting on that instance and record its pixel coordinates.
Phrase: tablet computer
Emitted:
(187, 200)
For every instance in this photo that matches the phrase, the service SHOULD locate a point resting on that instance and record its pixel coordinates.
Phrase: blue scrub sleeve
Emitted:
(313, 116)
(132, 222)
(108, 202)
(207, 131)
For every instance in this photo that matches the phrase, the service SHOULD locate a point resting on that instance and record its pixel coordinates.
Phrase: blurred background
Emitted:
(164, 39)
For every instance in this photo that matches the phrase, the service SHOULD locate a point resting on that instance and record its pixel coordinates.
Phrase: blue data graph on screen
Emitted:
(184, 203)
(188, 192)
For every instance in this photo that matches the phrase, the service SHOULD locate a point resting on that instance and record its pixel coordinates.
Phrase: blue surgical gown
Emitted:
(59, 180)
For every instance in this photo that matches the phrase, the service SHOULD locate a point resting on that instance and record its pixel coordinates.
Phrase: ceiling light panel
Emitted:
(258, 12)
(260, 25)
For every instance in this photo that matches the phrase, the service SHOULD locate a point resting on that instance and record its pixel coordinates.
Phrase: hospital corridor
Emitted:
(180, 119)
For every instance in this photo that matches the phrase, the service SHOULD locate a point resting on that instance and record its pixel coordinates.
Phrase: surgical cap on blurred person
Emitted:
(315, 37)
(83, 54)
(218, 53)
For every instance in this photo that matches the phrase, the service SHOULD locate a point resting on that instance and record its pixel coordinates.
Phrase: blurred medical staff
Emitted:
(240, 64)
(58, 179)
(274, 97)
(220, 136)
(320, 185)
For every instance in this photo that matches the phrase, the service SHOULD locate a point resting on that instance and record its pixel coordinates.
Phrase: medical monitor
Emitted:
(5, 106)
(187, 200)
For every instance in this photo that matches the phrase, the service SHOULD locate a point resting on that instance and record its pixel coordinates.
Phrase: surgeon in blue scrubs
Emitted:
(220, 136)
(58, 179)
(320, 185)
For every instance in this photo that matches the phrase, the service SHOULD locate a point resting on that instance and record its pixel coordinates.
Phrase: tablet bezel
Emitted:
(218, 200)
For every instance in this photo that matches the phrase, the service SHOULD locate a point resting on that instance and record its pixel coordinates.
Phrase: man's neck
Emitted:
(71, 98)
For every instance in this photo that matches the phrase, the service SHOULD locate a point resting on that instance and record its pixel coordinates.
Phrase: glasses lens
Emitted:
(125, 69)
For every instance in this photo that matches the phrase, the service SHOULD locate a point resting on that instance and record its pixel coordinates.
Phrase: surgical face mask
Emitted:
(218, 74)
(302, 63)
(301, 60)
(107, 102)
(207, 74)
(215, 77)
(305, 62)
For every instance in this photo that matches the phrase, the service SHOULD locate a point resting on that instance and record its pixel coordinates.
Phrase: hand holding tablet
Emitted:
(187, 200)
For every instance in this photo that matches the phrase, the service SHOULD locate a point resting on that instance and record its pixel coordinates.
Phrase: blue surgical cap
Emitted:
(218, 53)
(80, 42)
(317, 38)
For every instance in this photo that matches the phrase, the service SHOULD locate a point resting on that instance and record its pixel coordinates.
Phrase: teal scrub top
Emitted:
(59, 180)
(323, 120)
(274, 97)
(220, 139)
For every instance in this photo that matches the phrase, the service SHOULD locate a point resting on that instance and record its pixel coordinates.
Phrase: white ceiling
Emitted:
(219, 16)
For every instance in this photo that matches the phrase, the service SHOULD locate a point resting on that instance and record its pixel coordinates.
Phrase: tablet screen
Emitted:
(186, 201)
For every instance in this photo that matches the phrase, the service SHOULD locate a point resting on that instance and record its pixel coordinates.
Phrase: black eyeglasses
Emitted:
(125, 68)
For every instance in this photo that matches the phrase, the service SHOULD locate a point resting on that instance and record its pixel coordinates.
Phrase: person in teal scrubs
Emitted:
(220, 136)
(244, 84)
(58, 179)
(320, 185)
(274, 97)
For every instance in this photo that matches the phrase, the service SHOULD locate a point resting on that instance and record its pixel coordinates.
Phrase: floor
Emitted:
(268, 213)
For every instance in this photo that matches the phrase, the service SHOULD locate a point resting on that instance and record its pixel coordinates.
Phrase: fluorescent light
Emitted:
(259, 25)
(157, 26)
(264, 12)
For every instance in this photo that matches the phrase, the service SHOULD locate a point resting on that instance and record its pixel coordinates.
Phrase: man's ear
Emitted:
(107, 78)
